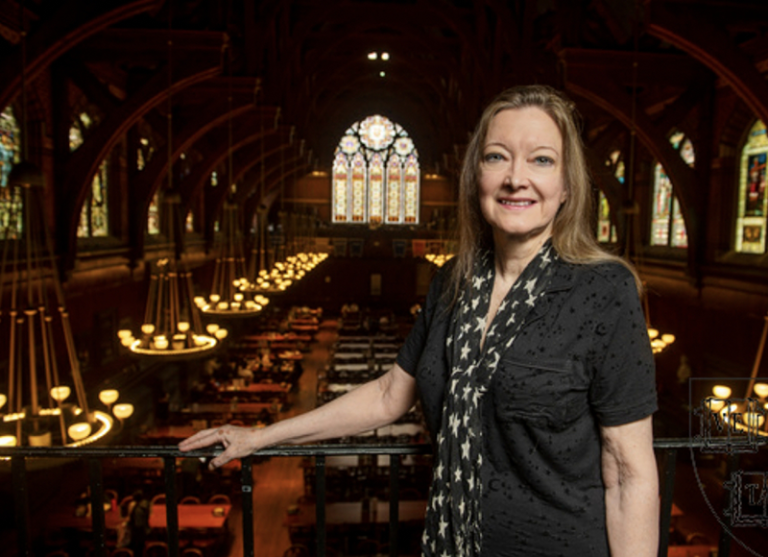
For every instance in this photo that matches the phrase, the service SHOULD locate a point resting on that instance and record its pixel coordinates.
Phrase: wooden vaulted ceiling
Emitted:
(286, 78)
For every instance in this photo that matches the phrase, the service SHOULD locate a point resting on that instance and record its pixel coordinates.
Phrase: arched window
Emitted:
(94, 217)
(667, 224)
(376, 175)
(752, 208)
(10, 154)
(153, 215)
(606, 232)
(77, 130)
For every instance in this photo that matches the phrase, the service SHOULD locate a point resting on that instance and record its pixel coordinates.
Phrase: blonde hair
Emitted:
(572, 234)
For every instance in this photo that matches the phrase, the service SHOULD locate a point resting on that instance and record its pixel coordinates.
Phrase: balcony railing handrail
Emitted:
(668, 447)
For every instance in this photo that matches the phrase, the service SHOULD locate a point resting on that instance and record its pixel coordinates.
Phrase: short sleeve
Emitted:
(623, 388)
(414, 345)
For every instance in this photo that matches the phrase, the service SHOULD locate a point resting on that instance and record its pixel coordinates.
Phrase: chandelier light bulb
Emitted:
(183, 326)
(79, 431)
(161, 343)
(721, 391)
(761, 389)
(60, 393)
(123, 410)
(147, 328)
(124, 333)
(109, 396)
(3, 400)
(8, 441)
(212, 328)
(221, 334)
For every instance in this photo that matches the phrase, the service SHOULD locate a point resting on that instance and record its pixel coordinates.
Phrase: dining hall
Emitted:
(231, 212)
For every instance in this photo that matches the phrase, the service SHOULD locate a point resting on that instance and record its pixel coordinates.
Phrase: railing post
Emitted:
(667, 490)
(724, 543)
(20, 497)
(171, 509)
(320, 504)
(394, 507)
(97, 506)
(246, 480)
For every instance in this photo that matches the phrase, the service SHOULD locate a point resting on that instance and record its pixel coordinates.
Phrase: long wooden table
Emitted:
(201, 516)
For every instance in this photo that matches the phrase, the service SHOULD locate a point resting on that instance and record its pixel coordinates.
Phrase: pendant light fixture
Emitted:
(226, 298)
(172, 328)
(43, 368)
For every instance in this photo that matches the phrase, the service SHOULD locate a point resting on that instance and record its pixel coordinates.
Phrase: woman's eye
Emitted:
(544, 160)
(492, 157)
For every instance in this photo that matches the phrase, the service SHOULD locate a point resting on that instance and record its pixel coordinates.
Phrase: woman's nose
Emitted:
(516, 175)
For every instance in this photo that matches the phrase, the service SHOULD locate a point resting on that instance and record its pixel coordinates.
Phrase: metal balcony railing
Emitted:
(666, 450)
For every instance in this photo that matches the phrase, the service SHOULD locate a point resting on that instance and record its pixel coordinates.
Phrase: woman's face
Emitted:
(521, 184)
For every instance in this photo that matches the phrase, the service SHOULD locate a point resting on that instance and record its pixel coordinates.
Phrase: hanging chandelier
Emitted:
(43, 369)
(438, 259)
(42, 363)
(226, 298)
(296, 257)
(659, 341)
(172, 328)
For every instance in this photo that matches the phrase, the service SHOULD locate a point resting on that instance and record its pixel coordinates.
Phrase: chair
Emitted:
(125, 506)
(219, 498)
(158, 499)
(156, 549)
(190, 500)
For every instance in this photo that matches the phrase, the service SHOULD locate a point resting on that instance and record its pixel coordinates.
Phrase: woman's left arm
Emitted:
(631, 489)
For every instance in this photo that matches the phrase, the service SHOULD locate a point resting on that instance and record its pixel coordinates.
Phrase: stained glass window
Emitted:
(80, 124)
(616, 163)
(376, 174)
(606, 231)
(94, 217)
(153, 215)
(752, 207)
(144, 153)
(10, 154)
(667, 223)
(189, 224)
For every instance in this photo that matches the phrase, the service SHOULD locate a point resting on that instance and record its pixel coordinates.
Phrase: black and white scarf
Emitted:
(454, 517)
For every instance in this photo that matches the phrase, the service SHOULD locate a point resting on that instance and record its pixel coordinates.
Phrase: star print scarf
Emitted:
(454, 517)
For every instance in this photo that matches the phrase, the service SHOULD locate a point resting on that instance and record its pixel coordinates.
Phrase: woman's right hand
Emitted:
(238, 442)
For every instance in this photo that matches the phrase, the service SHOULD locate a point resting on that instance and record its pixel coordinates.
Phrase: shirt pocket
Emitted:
(546, 393)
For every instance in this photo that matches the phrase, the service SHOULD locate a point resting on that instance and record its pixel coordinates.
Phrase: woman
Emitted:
(530, 358)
